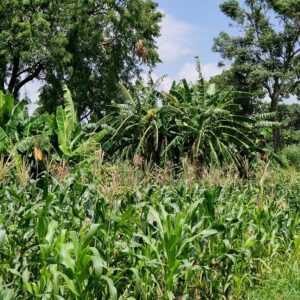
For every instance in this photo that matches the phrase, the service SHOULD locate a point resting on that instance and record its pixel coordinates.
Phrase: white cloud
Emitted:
(166, 82)
(176, 39)
(210, 70)
(189, 72)
(291, 100)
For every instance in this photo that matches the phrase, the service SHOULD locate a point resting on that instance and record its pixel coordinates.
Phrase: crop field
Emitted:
(149, 150)
(113, 232)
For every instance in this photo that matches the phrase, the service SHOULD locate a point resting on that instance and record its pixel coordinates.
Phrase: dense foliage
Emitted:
(265, 54)
(169, 195)
(90, 44)
(73, 226)
(45, 137)
(198, 122)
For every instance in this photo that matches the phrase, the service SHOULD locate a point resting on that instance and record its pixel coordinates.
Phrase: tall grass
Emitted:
(282, 283)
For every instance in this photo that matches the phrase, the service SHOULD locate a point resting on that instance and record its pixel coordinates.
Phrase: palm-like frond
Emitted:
(192, 121)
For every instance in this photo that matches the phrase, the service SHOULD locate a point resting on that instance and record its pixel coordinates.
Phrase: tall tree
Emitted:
(266, 48)
(90, 44)
(32, 36)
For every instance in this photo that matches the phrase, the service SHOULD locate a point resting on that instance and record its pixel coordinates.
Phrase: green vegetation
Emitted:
(292, 155)
(284, 284)
(59, 135)
(114, 231)
(265, 54)
(92, 45)
(75, 226)
(197, 122)
(161, 195)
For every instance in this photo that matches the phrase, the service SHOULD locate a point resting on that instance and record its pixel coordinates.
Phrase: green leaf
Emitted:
(70, 284)
(113, 294)
(69, 107)
(211, 90)
(51, 231)
(2, 237)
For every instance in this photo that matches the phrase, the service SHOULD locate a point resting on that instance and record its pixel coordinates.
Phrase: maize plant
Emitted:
(68, 241)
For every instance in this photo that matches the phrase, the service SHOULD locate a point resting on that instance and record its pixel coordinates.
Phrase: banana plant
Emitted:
(136, 124)
(194, 121)
(12, 118)
(207, 128)
(6, 107)
(14, 133)
(21, 134)
(72, 139)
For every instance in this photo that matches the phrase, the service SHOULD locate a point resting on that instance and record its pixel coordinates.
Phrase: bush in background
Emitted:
(291, 155)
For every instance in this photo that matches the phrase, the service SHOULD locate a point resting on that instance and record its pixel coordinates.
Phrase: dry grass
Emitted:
(6, 167)
(23, 172)
(59, 170)
(114, 179)
(209, 177)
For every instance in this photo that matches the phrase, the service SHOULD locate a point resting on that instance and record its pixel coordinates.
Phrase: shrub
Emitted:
(291, 155)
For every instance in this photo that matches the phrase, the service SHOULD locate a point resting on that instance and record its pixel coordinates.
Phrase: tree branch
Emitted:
(14, 74)
(85, 116)
(269, 89)
(27, 79)
(30, 69)
(296, 52)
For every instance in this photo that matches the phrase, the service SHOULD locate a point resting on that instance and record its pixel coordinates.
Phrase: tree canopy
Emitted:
(91, 45)
(266, 48)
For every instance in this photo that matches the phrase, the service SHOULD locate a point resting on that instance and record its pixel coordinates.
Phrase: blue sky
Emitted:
(188, 30)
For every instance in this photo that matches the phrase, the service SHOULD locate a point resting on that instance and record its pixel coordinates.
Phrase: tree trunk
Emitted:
(277, 140)
(14, 74)
(277, 137)
(2, 74)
